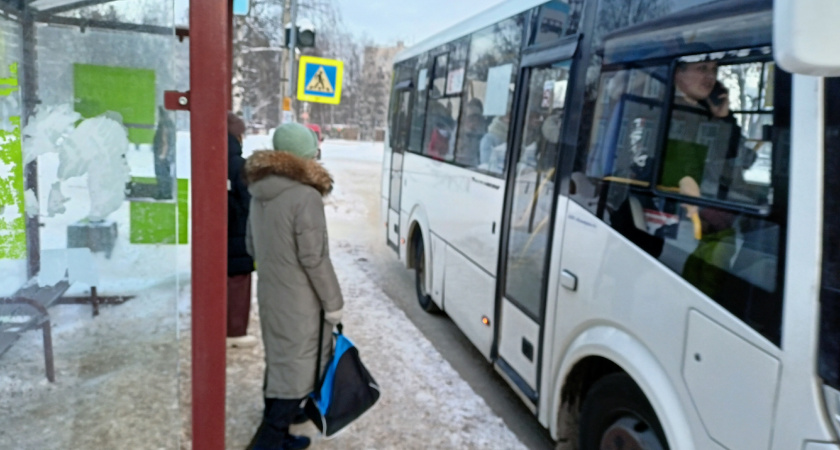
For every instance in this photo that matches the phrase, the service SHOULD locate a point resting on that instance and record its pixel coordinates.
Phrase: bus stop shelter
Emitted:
(93, 211)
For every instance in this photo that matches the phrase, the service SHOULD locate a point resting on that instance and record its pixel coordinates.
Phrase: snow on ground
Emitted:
(123, 378)
(424, 402)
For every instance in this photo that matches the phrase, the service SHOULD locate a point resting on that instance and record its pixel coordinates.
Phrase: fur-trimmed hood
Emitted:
(265, 163)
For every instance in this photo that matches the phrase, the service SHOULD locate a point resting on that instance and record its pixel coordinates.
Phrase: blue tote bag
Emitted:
(346, 391)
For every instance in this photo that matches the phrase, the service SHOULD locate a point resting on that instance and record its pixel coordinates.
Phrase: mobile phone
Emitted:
(717, 91)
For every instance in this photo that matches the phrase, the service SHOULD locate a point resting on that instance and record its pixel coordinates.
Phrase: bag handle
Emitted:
(340, 328)
(320, 346)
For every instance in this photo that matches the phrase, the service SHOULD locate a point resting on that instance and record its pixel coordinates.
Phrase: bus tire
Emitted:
(615, 414)
(423, 297)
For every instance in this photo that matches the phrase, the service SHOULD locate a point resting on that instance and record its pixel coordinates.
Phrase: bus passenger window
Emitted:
(719, 135)
(444, 104)
(441, 127)
(488, 94)
(719, 147)
(439, 80)
(556, 19)
(418, 117)
(627, 123)
(399, 119)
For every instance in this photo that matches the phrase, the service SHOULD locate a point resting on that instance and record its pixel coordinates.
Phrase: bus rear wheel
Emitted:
(423, 297)
(616, 415)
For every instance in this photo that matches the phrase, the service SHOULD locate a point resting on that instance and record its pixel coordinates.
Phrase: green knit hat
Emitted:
(295, 139)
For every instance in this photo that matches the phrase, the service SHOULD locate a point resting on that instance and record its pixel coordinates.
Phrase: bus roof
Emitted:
(483, 19)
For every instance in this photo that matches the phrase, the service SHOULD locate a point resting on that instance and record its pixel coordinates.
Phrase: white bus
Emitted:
(630, 209)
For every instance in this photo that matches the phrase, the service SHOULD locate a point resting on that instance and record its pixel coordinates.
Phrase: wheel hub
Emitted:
(629, 433)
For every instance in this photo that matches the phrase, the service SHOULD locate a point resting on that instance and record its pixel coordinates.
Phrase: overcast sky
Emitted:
(387, 21)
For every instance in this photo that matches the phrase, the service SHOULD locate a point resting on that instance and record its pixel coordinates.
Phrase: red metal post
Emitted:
(230, 57)
(209, 87)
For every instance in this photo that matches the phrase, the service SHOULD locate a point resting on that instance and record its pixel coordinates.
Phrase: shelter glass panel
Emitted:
(94, 250)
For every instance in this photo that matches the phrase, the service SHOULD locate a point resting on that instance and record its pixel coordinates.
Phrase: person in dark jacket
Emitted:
(163, 148)
(240, 264)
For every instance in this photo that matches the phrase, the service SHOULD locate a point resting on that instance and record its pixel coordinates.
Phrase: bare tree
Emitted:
(261, 57)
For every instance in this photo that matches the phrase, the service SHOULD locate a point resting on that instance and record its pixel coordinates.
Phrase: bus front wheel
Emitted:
(423, 297)
(616, 415)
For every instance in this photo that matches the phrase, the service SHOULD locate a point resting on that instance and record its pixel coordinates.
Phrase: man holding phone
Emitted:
(718, 174)
(697, 85)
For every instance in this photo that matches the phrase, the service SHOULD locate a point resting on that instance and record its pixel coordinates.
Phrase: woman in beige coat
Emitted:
(287, 236)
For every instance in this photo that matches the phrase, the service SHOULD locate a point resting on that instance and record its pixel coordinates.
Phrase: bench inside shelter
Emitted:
(27, 309)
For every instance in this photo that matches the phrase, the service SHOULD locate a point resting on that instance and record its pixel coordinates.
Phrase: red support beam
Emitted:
(209, 94)
(230, 57)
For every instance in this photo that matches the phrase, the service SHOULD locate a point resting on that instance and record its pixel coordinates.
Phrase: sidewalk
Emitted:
(424, 403)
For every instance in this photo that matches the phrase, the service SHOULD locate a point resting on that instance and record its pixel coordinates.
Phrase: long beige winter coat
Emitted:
(287, 236)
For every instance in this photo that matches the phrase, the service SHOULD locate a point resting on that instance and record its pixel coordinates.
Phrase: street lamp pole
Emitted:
(292, 44)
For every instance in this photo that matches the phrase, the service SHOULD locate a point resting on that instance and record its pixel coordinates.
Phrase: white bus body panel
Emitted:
(415, 218)
(553, 307)
(619, 284)
(745, 372)
(439, 252)
(516, 327)
(494, 14)
(820, 446)
(802, 31)
(800, 402)
(636, 359)
(469, 217)
(469, 294)
(393, 227)
(385, 186)
(404, 241)
(383, 216)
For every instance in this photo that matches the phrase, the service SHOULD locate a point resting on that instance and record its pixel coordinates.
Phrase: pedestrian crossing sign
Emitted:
(319, 80)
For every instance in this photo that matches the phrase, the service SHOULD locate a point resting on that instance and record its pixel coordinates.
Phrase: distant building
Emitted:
(374, 92)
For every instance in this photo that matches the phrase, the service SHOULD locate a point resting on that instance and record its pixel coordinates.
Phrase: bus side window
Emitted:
(719, 135)
(623, 139)
(488, 95)
(712, 152)
(399, 119)
(556, 19)
(444, 104)
(441, 114)
(418, 117)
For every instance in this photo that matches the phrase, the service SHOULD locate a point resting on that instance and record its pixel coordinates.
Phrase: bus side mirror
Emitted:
(805, 33)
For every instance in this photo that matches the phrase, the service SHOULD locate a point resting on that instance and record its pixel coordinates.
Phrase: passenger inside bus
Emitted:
(719, 147)
(441, 127)
(704, 140)
(711, 164)
(469, 142)
(493, 146)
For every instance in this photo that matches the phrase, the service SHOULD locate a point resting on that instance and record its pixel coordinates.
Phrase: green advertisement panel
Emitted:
(154, 221)
(130, 92)
(12, 208)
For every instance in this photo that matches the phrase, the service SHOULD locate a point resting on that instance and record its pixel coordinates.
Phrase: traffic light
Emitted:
(305, 36)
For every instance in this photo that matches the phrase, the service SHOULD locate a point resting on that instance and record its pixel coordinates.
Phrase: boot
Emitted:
(292, 442)
(273, 433)
(300, 417)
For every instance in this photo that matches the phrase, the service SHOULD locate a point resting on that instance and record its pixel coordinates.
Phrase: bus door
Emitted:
(530, 201)
(399, 139)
